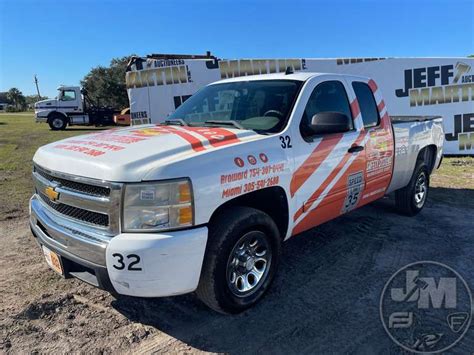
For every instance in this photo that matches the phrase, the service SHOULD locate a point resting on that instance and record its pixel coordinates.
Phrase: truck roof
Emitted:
(300, 76)
(67, 87)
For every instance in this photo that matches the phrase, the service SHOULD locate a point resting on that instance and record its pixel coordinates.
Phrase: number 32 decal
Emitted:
(120, 264)
(285, 142)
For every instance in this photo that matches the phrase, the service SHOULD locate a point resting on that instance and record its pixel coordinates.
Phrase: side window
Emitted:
(367, 104)
(329, 96)
(68, 95)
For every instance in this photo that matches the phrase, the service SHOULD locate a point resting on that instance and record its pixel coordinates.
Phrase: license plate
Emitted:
(53, 260)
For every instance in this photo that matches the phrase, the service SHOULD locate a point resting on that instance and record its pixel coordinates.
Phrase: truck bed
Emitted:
(412, 134)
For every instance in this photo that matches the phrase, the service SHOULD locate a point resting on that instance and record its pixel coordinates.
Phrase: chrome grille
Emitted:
(91, 202)
(74, 185)
(77, 213)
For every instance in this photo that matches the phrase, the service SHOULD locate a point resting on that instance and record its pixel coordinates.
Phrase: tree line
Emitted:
(16, 101)
(105, 85)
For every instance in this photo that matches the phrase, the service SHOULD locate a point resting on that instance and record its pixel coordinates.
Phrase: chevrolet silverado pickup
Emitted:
(203, 201)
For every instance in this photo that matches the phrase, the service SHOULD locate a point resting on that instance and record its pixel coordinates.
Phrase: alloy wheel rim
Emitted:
(420, 190)
(249, 264)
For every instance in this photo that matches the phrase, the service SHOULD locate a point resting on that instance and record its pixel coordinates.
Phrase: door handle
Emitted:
(355, 148)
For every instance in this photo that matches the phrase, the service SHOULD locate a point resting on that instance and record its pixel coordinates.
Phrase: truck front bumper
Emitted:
(134, 264)
(41, 116)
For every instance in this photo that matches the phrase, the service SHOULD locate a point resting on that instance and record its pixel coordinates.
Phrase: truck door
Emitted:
(70, 101)
(379, 146)
(330, 168)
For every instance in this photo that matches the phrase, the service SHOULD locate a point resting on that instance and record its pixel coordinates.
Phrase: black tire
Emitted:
(226, 232)
(408, 200)
(57, 122)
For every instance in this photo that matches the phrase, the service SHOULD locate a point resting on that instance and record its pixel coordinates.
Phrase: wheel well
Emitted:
(428, 155)
(56, 113)
(271, 200)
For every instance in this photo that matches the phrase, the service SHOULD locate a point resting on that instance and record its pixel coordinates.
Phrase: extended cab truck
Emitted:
(72, 107)
(204, 201)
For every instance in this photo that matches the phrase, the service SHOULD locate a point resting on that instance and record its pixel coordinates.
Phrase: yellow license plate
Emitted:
(53, 260)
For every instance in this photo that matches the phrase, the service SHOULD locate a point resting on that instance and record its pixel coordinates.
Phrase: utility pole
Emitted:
(37, 88)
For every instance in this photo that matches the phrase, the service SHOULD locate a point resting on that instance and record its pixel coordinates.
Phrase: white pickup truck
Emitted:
(203, 201)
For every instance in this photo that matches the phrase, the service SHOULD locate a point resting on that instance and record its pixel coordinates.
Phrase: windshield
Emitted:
(261, 105)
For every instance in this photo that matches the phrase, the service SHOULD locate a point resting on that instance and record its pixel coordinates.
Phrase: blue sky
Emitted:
(61, 40)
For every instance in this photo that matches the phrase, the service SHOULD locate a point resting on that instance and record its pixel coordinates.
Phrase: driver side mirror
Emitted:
(330, 122)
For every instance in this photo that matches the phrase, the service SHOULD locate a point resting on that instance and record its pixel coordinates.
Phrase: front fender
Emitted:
(223, 174)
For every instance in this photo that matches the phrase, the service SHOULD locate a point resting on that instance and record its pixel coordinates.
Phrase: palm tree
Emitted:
(16, 97)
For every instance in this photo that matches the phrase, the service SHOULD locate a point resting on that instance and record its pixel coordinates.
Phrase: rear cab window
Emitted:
(367, 104)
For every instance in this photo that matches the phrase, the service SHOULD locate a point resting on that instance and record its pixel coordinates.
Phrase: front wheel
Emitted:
(57, 122)
(241, 260)
(411, 199)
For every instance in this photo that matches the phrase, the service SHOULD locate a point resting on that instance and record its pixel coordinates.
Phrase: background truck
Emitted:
(204, 201)
(159, 83)
(71, 107)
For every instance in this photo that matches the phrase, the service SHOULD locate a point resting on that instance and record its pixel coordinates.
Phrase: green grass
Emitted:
(20, 136)
(455, 172)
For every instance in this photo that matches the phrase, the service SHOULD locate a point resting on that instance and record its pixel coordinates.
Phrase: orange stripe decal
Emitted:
(373, 86)
(150, 132)
(381, 106)
(355, 109)
(313, 162)
(216, 136)
(196, 144)
(327, 181)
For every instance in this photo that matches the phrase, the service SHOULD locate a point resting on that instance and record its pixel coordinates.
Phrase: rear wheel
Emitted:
(411, 199)
(241, 259)
(57, 122)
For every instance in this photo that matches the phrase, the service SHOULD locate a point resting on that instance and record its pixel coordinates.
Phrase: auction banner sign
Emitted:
(411, 86)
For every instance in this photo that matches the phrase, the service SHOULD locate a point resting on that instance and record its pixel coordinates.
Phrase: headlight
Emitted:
(157, 206)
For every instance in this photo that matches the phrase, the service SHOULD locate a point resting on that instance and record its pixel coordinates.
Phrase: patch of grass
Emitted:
(455, 173)
(20, 136)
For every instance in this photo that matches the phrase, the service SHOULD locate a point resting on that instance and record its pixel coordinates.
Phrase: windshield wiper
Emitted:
(226, 123)
(176, 121)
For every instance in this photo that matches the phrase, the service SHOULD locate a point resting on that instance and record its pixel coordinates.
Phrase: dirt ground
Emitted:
(325, 297)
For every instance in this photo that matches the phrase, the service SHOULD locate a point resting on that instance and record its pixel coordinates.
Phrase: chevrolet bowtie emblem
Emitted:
(51, 193)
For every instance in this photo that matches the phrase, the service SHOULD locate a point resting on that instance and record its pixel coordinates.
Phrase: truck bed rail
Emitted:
(412, 118)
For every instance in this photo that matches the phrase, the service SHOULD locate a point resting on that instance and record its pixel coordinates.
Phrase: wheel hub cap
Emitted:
(249, 263)
(57, 123)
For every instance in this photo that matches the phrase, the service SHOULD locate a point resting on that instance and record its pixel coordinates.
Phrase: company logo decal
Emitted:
(243, 67)
(252, 160)
(438, 85)
(463, 131)
(158, 76)
(51, 193)
(343, 61)
(239, 162)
